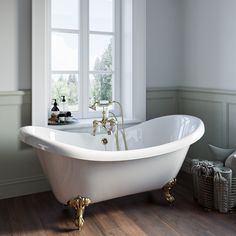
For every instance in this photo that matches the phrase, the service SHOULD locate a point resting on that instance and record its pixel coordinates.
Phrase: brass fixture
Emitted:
(109, 124)
(104, 141)
(116, 132)
(79, 203)
(167, 191)
(106, 123)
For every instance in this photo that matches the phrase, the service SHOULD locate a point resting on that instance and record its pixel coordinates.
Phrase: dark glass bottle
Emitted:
(55, 108)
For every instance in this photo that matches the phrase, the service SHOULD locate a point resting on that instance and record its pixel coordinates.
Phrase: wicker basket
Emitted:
(222, 188)
(217, 191)
(203, 185)
(206, 191)
(232, 197)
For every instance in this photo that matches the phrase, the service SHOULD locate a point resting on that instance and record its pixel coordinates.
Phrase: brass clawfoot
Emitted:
(79, 203)
(166, 190)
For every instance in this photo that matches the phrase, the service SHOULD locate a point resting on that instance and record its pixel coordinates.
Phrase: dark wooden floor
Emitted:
(41, 214)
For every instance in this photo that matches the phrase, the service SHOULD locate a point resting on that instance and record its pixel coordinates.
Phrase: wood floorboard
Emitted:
(125, 223)
(41, 215)
(105, 224)
(5, 227)
(150, 222)
(222, 225)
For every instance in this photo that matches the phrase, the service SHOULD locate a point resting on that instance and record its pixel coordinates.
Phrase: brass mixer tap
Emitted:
(110, 124)
(107, 123)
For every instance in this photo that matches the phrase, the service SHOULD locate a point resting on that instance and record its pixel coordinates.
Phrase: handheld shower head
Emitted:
(94, 106)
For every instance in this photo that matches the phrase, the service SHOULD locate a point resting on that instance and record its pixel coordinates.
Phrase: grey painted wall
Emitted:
(164, 43)
(191, 43)
(209, 39)
(15, 45)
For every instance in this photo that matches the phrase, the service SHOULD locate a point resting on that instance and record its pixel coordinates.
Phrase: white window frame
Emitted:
(132, 66)
(83, 67)
(116, 56)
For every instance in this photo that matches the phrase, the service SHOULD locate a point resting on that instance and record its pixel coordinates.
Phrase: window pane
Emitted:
(64, 51)
(66, 85)
(100, 87)
(65, 14)
(100, 53)
(101, 15)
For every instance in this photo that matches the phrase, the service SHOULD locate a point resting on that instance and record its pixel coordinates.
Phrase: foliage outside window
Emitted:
(101, 84)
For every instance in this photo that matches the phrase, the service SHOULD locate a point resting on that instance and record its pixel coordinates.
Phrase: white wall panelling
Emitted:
(20, 172)
(232, 124)
(210, 106)
(161, 101)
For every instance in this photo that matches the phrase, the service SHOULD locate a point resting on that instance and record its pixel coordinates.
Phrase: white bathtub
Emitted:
(76, 163)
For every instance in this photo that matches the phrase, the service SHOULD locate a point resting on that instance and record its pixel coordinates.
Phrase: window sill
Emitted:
(84, 125)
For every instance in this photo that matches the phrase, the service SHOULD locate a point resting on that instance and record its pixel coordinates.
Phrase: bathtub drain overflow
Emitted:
(104, 141)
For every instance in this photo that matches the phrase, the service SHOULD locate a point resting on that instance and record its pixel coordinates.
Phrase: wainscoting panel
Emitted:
(20, 172)
(217, 109)
(214, 119)
(161, 101)
(232, 124)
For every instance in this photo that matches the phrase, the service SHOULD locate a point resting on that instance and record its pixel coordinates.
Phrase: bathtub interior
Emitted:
(161, 131)
(147, 134)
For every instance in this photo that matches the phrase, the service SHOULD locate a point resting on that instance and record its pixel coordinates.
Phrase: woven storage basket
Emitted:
(222, 188)
(203, 186)
(206, 191)
(212, 192)
(232, 198)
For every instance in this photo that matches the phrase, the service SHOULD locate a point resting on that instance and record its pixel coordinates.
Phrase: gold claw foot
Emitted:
(79, 203)
(166, 190)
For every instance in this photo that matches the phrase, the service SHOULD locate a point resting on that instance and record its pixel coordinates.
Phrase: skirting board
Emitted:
(23, 186)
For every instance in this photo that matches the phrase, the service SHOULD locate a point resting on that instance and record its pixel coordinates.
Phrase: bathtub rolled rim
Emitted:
(76, 152)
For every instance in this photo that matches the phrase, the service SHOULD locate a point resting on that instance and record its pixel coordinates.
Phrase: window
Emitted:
(84, 41)
(88, 50)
